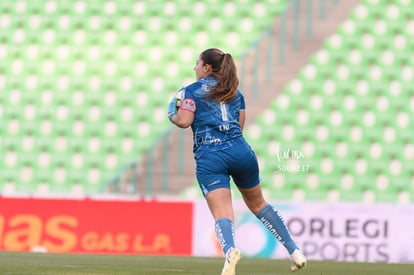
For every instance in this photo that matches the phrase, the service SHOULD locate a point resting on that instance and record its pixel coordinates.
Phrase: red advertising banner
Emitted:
(96, 226)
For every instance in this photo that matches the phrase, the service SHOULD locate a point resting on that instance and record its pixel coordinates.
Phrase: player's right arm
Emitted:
(242, 118)
(242, 111)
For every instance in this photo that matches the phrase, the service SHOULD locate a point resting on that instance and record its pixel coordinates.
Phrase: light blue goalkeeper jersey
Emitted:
(216, 125)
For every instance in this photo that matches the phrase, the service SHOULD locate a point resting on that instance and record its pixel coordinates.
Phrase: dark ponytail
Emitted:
(224, 71)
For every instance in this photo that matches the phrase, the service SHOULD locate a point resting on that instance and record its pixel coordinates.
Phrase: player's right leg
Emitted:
(297, 260)
(245, 172)
(274, 222)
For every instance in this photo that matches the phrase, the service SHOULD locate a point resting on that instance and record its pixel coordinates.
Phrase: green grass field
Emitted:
(62, 264)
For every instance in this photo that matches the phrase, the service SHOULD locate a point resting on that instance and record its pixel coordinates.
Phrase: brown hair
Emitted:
(224, 71)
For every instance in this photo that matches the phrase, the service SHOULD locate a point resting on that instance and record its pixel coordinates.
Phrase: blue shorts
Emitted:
(213, 169)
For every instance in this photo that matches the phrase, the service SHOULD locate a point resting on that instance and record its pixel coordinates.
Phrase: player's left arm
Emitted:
(183, 118)
(185, 115)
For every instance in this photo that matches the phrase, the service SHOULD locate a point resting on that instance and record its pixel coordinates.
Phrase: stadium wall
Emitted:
(352, 232)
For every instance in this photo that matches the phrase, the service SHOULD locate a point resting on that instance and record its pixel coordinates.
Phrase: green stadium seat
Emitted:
(363, 107)
(103, 62)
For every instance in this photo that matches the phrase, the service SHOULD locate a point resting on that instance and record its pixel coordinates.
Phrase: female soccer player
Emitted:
(215, 109)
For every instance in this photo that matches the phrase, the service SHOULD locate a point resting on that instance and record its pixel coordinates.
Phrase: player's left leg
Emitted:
(232, 257)
(219, 202)
(214, 182)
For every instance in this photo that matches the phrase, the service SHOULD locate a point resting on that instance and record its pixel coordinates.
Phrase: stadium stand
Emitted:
(84, 83)
(349, 112)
